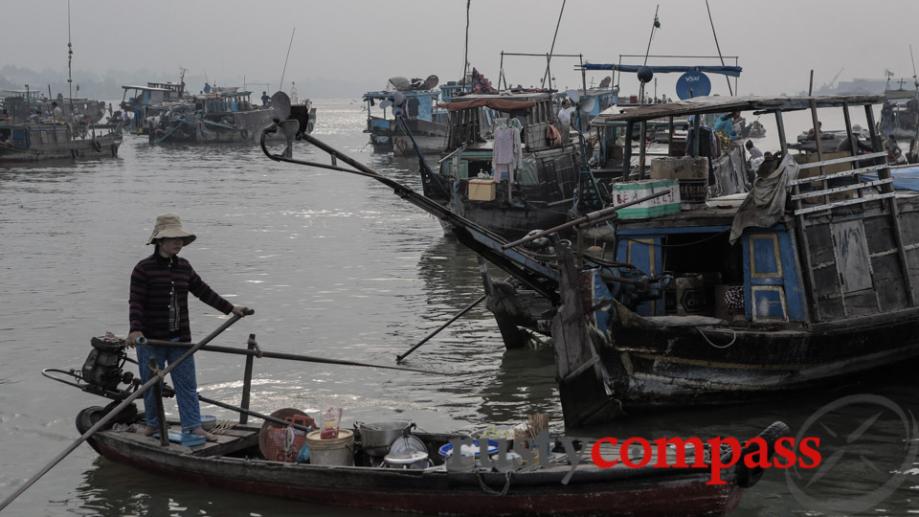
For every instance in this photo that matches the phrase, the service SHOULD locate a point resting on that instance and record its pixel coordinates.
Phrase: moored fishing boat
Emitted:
(222, 115)
(804, 280)
(415, 103)
(40, 129)
(529, 176)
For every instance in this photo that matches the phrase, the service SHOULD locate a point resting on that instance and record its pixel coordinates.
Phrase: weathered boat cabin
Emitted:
(527, 177)
(150, 100)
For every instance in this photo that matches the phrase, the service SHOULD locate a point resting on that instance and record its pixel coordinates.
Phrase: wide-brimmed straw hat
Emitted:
(169, 226)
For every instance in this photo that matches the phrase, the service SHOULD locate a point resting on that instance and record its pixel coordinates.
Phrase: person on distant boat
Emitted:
(158, 309)
(56, 112)
(266, 100)
(753, 151)
(294, 97)
(564, 119)
(755, 158)
(894, 153)
(725, 124)
(207, 88)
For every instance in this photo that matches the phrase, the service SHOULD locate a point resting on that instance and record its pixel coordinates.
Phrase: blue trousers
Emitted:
(183, 380)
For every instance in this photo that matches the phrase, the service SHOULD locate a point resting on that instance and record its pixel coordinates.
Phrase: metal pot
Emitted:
(378, 436)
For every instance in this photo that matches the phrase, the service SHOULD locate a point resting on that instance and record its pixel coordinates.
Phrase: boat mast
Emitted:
(717, 46)
(548, 74)
(911, 58)
(466, 51)
(289, 45)
(69, 59)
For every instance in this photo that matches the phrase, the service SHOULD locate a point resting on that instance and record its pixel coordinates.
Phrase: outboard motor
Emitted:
(103, 369)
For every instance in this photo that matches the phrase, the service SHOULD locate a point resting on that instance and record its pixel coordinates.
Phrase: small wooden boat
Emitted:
(234, 462)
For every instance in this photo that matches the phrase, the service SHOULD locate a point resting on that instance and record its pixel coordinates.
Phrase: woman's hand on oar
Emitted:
(242, 310)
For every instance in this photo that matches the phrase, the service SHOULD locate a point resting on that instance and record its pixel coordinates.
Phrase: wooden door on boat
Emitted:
(772, 284)
(853, 262)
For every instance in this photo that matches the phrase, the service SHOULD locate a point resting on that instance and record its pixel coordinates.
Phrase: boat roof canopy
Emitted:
(705, 105)
(144, 88)
(386, 94)
(505, 102)
(731, 71)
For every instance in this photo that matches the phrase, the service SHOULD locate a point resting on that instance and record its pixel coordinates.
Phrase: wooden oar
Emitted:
(282, 355)
(400, 358)
(256, 414)
(157, 377)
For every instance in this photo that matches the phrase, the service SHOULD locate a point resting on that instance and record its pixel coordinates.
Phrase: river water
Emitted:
(335, 265)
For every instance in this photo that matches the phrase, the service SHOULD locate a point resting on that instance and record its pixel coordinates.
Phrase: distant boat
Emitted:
(415, 101)
(149, 101)
(900, 114)
(36, 128)
(223, 115)
(545, 180)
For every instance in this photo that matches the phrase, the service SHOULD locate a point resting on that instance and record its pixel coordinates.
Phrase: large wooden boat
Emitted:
(805, 280)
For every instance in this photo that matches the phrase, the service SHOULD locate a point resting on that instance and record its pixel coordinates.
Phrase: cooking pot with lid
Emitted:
(376, 437)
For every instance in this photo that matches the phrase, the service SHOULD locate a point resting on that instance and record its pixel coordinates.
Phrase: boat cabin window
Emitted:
(704, 267)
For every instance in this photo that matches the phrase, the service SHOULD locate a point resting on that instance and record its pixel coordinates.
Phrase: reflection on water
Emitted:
(335, 265)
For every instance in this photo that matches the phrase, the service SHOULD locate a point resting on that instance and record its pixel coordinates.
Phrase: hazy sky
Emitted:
(364, 42)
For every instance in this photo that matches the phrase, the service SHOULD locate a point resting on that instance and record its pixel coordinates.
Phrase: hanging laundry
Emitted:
(507, 153)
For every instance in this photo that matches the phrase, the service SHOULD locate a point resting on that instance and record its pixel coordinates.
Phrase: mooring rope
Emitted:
(490, 491)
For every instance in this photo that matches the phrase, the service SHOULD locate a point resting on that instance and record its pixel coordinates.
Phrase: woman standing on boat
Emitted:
(158, 305)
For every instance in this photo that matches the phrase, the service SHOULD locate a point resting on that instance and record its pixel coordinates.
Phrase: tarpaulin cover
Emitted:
(765, 204)
(732, 71)
(495, 104)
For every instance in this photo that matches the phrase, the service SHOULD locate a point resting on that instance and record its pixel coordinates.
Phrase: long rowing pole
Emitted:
(157, 377)
(400, 358)
(592, 217)
(282, 355)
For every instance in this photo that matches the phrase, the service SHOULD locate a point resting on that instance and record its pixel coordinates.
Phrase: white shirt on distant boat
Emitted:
(294, 98)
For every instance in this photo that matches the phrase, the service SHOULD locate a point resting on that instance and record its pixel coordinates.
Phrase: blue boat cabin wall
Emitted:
(772, 287)
(420, 105)
(772, 283)
(643, 252)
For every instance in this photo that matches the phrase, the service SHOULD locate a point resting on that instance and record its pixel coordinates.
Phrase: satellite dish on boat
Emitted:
(400, 83)
(645, 74)
(430, 83)
(280, 102)
(693, 84)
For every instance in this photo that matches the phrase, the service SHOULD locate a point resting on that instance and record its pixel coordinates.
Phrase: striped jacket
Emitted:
(159, 297)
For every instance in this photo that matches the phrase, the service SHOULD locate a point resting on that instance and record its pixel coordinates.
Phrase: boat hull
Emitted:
(598, 493)
(105, 146)
(658, 366)
(236, 127)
